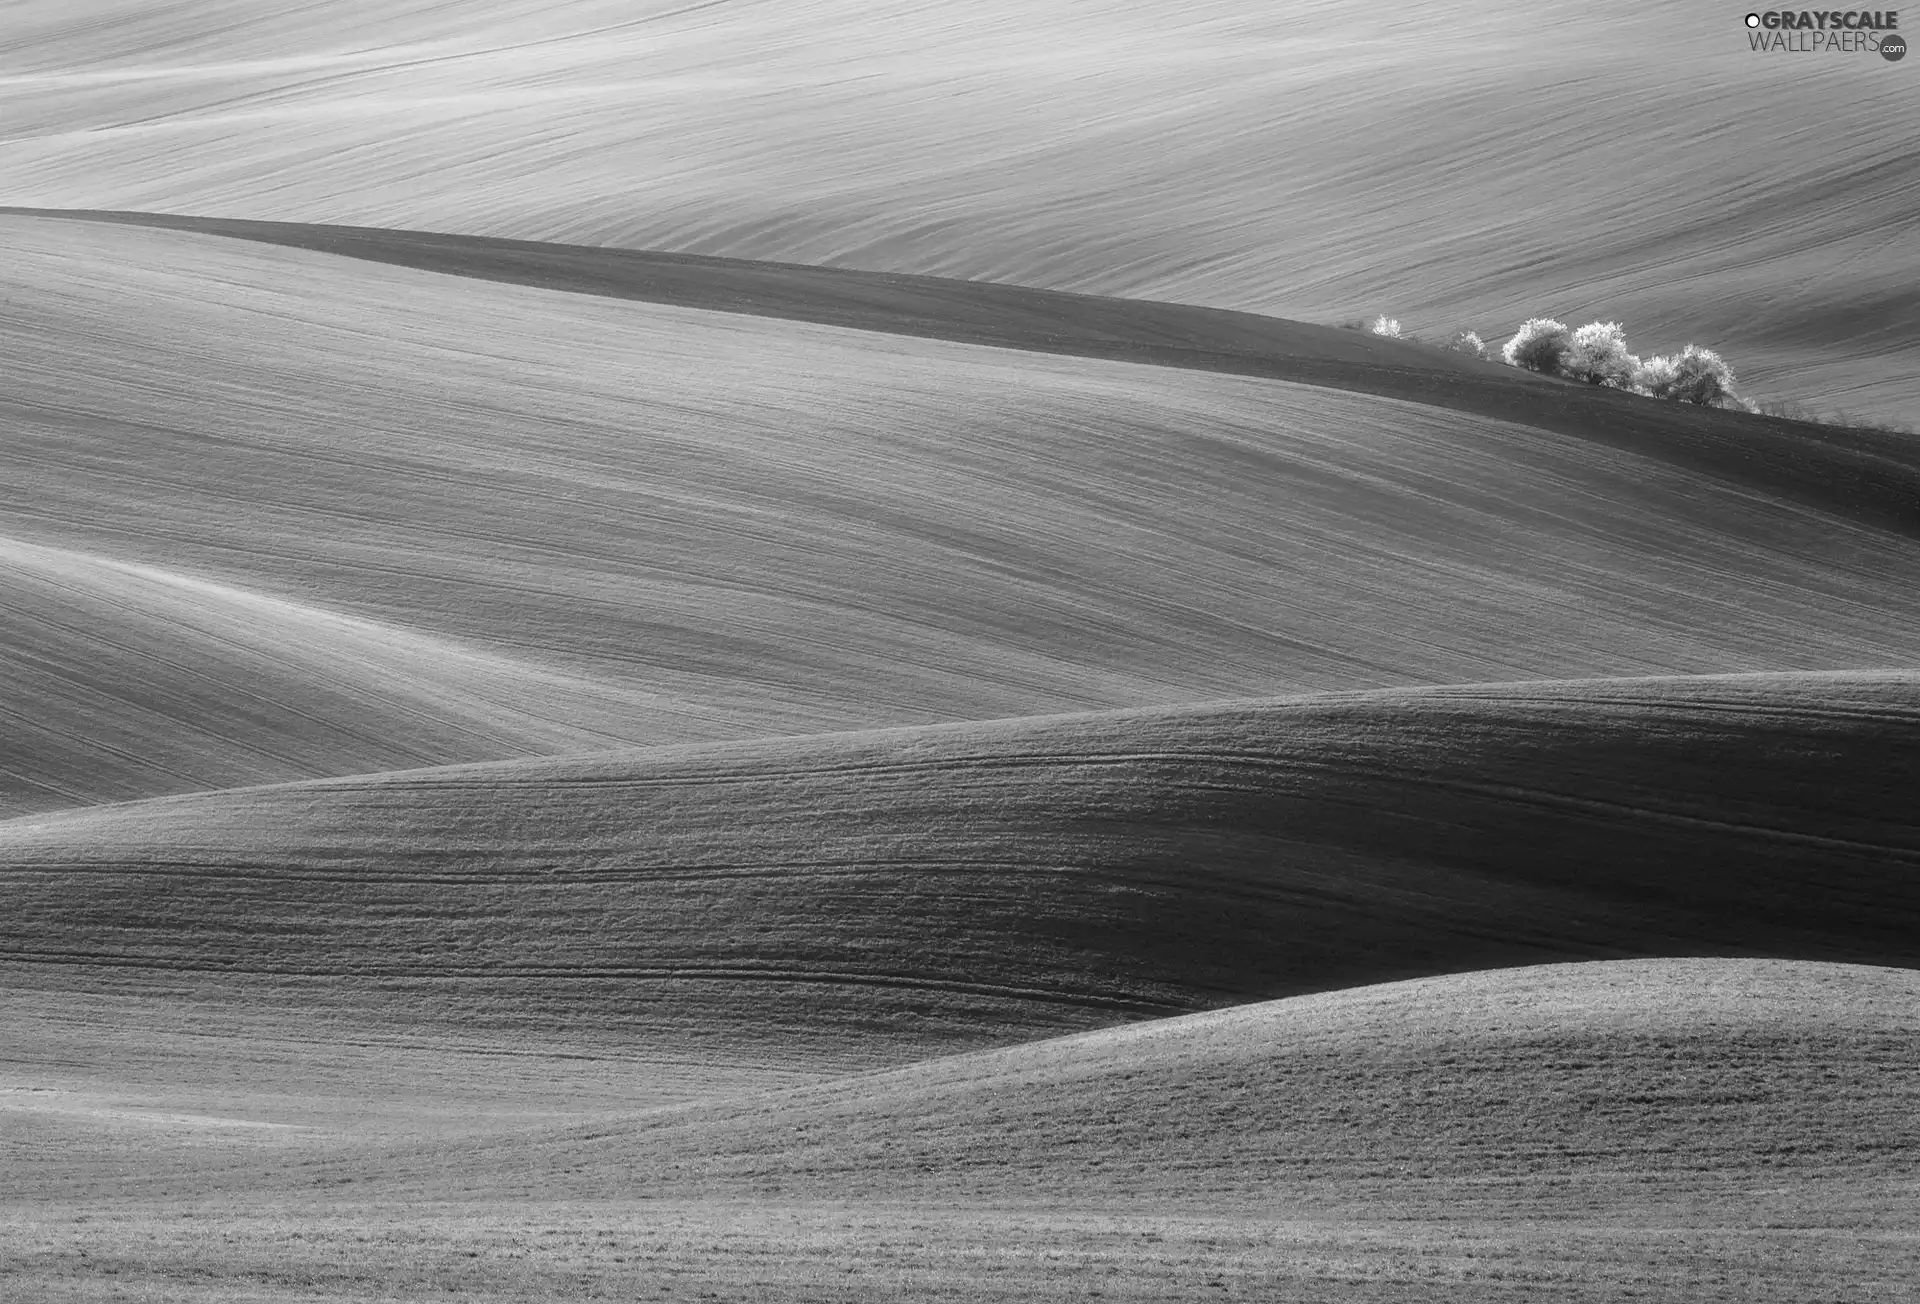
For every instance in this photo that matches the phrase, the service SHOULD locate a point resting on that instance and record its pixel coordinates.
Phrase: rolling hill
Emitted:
(727, 649)
(694, 1018)
(120, 680)
(1644, 1078)
(849, 900)
(1857, 469)
(1718, 1129)
(653, 523)
(1453, 168)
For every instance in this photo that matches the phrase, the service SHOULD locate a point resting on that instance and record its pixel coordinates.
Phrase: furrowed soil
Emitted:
(1454, 169)
(1719, 1130)
(235, 503)
(771, 651)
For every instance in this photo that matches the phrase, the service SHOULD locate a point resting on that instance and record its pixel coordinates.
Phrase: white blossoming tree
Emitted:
(1597, 354)
(1694, 375)
(1656, 376)
(1701, 376)
(1538, 345)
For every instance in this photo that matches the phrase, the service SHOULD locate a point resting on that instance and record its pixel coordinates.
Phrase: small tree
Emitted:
(1694, 375)
(1597, 354)
(1467, 342)
(1656, 377)
(1701, 376)
(1387, 326)
(1538, 345)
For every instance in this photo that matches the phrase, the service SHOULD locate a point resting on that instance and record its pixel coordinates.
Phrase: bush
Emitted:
(1538, 345)
(1387, 326)
(1597, 354)
(1701, 376)
(1694, 375)
(1656, 377)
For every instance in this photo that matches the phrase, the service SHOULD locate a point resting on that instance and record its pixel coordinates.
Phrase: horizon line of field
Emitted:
(757, 760)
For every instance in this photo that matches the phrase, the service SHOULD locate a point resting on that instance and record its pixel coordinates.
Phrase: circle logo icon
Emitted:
(1893, 48)
(1753, 20)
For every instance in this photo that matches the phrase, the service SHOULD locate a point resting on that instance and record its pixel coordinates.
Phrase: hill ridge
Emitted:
(792, 528)
(1454, 1091)
(878, 894)
(1852, 471)
(1500, 691)
(144, 676)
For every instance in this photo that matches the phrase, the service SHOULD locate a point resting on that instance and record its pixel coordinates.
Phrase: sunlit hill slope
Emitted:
(1645, 1080)
(480, 518)
(774, 651)
(1454, 167)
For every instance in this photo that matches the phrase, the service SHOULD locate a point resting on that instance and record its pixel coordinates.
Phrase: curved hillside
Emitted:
(852, 899)
(1602, 1088)
(121, 681)
(1866, 474)
(1454, 168)
(1699, 1129)
(766, 527)
(777, 650)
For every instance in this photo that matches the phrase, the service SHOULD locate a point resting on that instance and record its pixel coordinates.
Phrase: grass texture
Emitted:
(1447, 1091)
(1863, 469)
(605, 521)
(842, 901)
(1719, 1130)
(1454, 169)
(738, 650)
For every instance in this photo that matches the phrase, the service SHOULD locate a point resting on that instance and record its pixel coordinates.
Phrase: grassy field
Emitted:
(731, 650)
(900, 892)
(1456, 169)
(869, 698)
(1721, 1130)
(607, 521)
(266, 999)
(1649, 1082)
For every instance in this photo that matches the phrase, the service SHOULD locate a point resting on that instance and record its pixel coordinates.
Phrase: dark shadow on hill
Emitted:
(897, 893)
